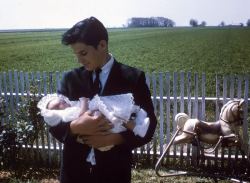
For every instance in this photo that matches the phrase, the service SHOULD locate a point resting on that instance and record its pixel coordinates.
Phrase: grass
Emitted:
(138, 176)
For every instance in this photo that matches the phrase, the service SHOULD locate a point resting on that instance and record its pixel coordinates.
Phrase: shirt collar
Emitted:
(107, 67)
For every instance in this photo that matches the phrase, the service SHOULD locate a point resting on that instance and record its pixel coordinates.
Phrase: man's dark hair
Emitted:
(89, 31)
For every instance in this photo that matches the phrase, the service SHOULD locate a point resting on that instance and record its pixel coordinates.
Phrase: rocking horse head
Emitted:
(231, 121)
(232, 114)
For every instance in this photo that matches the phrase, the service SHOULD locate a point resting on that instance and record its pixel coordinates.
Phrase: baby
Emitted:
(57, 108)
(118, 109)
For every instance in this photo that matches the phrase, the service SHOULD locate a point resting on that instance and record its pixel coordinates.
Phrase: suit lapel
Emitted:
(86, 82)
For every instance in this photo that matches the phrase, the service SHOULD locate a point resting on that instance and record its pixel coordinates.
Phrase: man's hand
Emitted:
(89, 124)
(130, 125)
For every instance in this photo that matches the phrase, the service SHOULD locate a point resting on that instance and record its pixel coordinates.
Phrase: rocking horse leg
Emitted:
(158, 164)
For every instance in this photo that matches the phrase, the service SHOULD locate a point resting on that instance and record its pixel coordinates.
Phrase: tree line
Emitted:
(166, 22)
(194, 23)
(150, 22)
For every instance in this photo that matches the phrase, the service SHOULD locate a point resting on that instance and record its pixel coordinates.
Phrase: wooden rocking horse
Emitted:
(224, 132)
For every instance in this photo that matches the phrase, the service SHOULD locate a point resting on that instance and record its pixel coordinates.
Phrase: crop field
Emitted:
(208, 50)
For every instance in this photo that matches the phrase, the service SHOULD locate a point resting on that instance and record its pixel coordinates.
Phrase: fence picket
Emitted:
(1, 85)
(168, 125)
(45, 83)
(239, 86)
(189, 111)
(217, 102)
(225, 89)
(148, 145)
(232, 79)
(22, 83)
(16, 88)
(5, 89)
(27, 83)
(195, 151)
(196, 94)
(181, 110)
(203, 94)
(161, 113)
(155, 107)
(175, 84)
(1, 105)
(182, 85)
(245, 121)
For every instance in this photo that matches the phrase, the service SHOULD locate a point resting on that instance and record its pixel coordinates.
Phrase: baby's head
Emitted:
(53, 102)
(57, 104)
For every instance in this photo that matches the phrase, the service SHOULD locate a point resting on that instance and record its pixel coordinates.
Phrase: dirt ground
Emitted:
(42, 175)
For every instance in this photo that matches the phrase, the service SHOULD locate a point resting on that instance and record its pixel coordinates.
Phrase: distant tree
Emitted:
(164, 22)
(193, 23)
(248, 22)
(150, 22)
(222, 24)
(241, 24)
(203, 24)
(169, 23)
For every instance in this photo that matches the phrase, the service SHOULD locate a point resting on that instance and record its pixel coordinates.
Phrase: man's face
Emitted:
(90, 57)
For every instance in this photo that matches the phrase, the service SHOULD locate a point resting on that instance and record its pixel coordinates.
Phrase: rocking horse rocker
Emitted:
(224, 132)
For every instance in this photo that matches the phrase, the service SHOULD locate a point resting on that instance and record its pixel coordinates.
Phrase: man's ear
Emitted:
(102, 45)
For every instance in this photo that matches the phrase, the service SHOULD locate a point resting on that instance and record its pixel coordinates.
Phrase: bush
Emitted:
(22, 131)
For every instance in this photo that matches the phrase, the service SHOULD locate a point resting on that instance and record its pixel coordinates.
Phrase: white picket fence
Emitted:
(171, 93)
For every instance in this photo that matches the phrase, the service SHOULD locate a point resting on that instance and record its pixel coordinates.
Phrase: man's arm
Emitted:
(142, 98)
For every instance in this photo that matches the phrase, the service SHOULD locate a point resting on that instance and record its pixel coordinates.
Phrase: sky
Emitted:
(36, 14)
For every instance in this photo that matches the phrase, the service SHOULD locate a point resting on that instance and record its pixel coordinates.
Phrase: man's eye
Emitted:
(83, 53)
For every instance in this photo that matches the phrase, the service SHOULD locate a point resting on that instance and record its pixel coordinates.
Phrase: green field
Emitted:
(208, 50)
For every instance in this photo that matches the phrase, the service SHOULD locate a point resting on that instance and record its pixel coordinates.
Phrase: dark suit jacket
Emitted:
(113, 166)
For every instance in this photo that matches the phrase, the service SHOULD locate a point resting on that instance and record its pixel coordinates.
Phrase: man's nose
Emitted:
(80, 60)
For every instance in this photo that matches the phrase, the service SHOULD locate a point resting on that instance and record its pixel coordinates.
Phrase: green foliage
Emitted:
(209, 50)
(22, 131)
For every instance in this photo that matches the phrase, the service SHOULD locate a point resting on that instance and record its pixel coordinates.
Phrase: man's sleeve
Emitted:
(142, 98)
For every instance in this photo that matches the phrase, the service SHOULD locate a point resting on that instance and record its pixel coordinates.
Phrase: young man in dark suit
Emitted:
(89, 42)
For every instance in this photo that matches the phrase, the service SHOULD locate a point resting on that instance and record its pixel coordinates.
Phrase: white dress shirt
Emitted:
(105, 72)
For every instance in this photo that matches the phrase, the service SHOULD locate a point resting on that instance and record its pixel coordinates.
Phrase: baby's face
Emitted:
(57, 104)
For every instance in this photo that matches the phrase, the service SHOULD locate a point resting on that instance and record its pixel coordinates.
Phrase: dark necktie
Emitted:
(97, 86)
